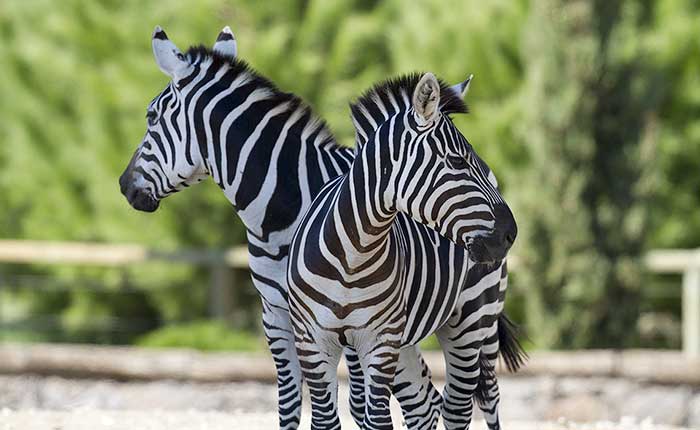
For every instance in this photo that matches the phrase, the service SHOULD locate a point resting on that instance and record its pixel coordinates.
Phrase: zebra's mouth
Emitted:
(480, 253)
(142, 200)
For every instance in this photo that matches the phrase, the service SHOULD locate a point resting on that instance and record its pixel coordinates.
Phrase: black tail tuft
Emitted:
(487, 378)
(512, 352)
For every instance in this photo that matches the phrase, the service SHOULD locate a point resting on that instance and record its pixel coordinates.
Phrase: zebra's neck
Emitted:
(362, 215)
(267, 151)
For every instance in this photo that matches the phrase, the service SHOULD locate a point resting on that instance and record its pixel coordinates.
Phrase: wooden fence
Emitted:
(685, 262)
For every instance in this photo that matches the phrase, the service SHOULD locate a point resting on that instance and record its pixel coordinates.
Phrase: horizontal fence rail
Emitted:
(129, 363)
(95, 254)
(685, 262)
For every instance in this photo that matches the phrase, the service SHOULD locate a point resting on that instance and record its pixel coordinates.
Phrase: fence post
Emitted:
(2, 315)
(691, 311)
(220, 297)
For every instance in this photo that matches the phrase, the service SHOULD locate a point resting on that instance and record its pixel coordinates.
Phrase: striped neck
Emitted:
(265, 148)
(363, 211)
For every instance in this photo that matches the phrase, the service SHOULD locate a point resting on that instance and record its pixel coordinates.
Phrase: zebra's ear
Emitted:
(462, 88)
(169, 59)
(426, 97)
(226, 43)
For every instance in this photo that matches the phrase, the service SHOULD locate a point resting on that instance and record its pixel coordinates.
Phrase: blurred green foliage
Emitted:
(590, 128)
(204, 336)
(586, 110)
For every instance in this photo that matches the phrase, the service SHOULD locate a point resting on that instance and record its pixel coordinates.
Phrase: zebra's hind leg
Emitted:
(356, 379)
(280, 338)
(488, 396)
(320, 370)
(420, 401)
(462, 370)
(504, 342)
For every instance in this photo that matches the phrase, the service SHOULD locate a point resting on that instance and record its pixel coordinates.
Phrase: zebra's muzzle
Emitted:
(495, 246)
(141, 200)
(484, 251)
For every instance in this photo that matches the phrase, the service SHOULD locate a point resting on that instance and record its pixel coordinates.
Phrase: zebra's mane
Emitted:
(201, 54)
(389, 97)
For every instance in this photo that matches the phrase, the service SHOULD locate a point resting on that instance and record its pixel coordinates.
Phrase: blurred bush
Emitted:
(204, 336)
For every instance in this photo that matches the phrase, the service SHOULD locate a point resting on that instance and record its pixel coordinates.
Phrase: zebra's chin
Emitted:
(142, 201)
(147, 206)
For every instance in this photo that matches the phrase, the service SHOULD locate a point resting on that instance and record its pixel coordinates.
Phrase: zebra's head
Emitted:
(432, 172)
(169, 158)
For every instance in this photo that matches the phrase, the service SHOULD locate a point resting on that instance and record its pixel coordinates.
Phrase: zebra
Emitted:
(270, 155)
(358, 265)
(483, 286)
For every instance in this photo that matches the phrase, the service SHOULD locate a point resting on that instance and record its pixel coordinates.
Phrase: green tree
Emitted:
(675, 51)
(589, 114)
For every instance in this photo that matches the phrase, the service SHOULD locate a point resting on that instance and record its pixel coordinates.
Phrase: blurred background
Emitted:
(587, 111)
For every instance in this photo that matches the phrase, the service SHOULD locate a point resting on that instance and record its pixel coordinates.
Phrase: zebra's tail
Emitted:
(512, 352)
(487, 378)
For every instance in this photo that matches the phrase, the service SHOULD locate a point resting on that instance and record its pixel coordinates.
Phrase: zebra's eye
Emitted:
(457, 162)
(152, 117)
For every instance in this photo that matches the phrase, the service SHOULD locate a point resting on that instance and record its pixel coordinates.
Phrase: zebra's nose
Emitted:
(509, 238)
(505, 224)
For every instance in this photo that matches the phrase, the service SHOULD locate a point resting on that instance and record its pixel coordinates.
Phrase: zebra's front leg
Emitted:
(320, 370)
(280, 338)
(420, 401)
(356, 380)
(379, 364)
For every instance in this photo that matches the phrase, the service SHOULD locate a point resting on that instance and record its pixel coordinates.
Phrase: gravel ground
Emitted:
(91, 419)
(53, 403)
